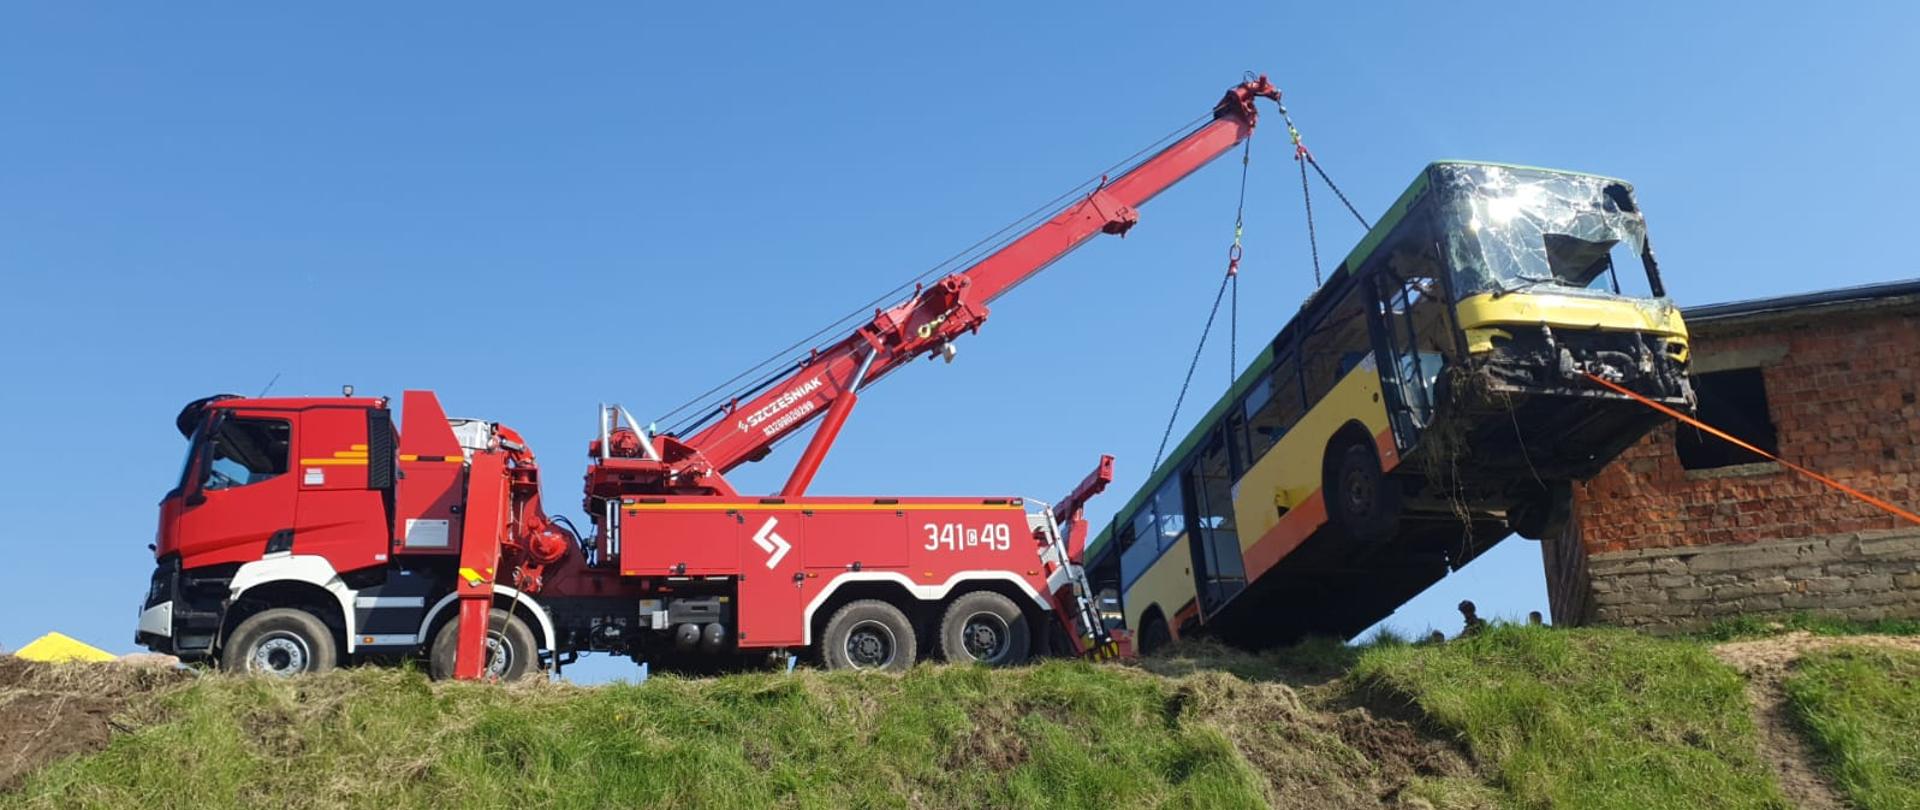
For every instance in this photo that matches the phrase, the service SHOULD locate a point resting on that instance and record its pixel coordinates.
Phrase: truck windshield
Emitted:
(1512, 229)
(186, 464)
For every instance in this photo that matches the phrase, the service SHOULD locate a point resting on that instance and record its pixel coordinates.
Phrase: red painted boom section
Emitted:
(957, 304)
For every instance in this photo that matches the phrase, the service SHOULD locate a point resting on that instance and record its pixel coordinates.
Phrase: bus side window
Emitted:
(1138, 548)
(1239, 452)
(1272, 407)
(1337, 342)
(1253, 445)
(1145, 525)
(1173, 510)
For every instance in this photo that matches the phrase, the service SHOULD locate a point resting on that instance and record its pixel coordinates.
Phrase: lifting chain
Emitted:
(1229, 281)
(1304, 156)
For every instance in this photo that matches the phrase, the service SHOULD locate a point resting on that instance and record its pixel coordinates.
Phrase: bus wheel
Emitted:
(984, 627)
(1359, 498)
(279, 642)
(511, 651)
(869, 635)
(1545, 515)
(1154, 636)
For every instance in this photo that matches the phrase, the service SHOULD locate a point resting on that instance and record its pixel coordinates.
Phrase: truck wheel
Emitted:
(984, 627)
(280, 642)
(869, 635)
(512, 654)
(1545, 515)
(1360, 500)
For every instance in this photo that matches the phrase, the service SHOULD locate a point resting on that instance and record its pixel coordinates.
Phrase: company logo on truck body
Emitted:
(780, 403)
(771, 543)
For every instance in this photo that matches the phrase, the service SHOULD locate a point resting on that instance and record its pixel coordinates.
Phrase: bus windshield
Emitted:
(1510, 229)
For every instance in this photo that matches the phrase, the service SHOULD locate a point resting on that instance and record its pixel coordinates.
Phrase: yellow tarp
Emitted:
(56, 647)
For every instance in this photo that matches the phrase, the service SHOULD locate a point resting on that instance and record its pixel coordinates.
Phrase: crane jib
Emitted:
(928, 321)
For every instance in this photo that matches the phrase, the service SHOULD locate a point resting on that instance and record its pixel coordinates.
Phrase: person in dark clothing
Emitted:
(1474, 623)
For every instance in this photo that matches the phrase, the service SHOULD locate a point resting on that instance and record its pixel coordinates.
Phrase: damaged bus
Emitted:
(1427, 401)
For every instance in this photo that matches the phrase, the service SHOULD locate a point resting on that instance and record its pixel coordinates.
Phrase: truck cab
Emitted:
(289, 544)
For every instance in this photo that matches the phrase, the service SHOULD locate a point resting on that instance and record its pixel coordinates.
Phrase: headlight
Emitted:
(160, 587)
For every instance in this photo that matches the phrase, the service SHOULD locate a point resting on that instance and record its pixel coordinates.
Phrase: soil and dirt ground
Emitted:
(1766, 664)
(1515, 717)
(50, 712)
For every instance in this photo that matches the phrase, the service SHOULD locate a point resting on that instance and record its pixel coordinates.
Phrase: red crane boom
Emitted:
(827, 384)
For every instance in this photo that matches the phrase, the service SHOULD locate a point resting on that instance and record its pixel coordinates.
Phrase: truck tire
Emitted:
(984, 627)
(868, 635)
(1544, 516)
(512, 653)
(280, 642)
(1360, 499)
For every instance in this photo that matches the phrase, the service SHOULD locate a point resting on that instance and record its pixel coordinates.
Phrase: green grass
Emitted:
(1746, 627)
(1861, 708)
(1066, 735)
(1601, 719)
(1511, 717)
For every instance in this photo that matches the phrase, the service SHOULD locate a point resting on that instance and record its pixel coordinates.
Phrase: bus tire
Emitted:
(1545, 515)
(984, 627)
(1360, 500)
(1154, 636)
(868, 635)
(281, 642)
(512, 654)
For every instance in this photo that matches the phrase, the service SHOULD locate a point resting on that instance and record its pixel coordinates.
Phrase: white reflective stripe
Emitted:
(926, 593)
(389, 640)
(309, 568)
(389, 601)
(540, 616)
(158, 620)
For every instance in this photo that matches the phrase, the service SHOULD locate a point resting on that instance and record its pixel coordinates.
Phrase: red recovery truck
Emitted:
(308, 532)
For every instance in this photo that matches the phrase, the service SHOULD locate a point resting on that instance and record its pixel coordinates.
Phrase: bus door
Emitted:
(1412, 324)
(1219, 573)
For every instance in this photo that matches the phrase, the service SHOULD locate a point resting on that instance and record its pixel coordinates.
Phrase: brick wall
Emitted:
(1656, 544)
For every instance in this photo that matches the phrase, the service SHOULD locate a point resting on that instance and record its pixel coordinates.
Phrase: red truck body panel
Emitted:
(790, 552)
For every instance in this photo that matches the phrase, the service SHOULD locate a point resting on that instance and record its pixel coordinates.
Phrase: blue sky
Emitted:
(531, 211)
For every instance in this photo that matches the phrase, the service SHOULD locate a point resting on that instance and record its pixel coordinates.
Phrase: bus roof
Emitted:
(1264, 360)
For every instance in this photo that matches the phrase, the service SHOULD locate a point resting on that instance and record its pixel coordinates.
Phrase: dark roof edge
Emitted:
(1760, 306)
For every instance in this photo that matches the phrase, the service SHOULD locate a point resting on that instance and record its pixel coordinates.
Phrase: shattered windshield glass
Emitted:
(1511, 229)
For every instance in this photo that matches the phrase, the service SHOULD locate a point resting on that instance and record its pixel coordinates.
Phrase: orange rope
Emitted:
(1888, 507)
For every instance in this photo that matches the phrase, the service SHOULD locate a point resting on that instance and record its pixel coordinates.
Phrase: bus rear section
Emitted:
(1431, 398)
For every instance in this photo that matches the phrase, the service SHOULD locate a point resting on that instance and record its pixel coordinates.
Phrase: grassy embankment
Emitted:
(1599, 719)
(1861, 708)
(1521, 717)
